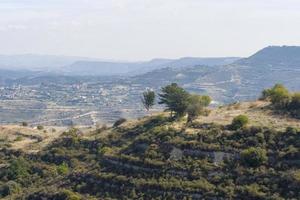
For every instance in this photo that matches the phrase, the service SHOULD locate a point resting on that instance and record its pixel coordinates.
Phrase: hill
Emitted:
(81, 66)
(37, 62)
(157, 158)
(275, 56)
(97, 68)
(240, 81)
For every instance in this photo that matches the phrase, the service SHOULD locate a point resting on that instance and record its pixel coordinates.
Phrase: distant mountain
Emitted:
(242, 80)
(37, 62)
(68, 65)
(274, 56)
(225, 79)
(134, 68)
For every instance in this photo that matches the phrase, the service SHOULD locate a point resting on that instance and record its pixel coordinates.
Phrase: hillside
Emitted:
(156, 158)
(274, 56)
(240, 81)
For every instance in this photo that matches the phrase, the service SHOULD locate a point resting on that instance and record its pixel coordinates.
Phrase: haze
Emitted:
(145, 29)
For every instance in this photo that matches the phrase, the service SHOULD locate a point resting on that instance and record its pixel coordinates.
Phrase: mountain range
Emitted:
(241, 80)
(225, 79)
(80, 66)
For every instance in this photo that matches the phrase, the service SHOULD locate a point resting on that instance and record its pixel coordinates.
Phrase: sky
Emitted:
(146, 29)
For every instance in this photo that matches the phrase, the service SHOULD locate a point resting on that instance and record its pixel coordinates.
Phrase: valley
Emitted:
(64, 100)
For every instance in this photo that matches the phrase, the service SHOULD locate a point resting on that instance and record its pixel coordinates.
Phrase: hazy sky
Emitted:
(144, 29)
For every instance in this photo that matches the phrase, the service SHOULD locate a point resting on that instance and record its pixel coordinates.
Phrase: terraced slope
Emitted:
(155, 158)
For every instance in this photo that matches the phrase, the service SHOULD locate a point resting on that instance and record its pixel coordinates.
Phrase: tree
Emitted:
(278, 95)
(196, 105)
(239, 121)
(175, 98)
(148, 99)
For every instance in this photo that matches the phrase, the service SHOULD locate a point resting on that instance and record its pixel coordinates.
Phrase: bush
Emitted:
(295, 102)
(9, 188)
(239, 122)
(278, 95)
(18, 168)
(63, 169)
(196, 105)
(19, 138)
(40, 127)
(254, 157)
(24, 124)
(69, 195)
(119, 122)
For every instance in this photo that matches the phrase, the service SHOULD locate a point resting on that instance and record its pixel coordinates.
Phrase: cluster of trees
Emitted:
(282, 99)
(178, 101)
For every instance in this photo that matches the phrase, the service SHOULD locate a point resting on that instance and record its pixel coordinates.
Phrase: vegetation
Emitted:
(196, 105)
(282, 100)
(148, 99)
(278, 95)
(254, 157)
(175, 98)
(239, 121)
(119, 122)
(24, 124)
(159, 158)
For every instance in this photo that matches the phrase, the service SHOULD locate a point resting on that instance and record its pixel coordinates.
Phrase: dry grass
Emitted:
(258, 113)
(27, 138)
(33, 140)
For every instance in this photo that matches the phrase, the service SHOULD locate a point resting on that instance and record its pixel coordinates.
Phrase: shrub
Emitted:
(24, 124)
(278, 95)
(40, 127)
(295, 102)
(119, 122)
(196, 105)
(254, 157)
(18, 168)
(239, 122)
(19, 138)
(9, 188)
(63, 169)
(254, 191)
(69, 195)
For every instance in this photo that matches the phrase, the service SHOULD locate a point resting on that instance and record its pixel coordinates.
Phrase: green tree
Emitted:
(239, 121)
(175, 98)
(196, 105)
(148, 99)
(278, 95)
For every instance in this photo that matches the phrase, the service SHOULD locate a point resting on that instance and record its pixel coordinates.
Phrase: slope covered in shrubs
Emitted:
(158, 158)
